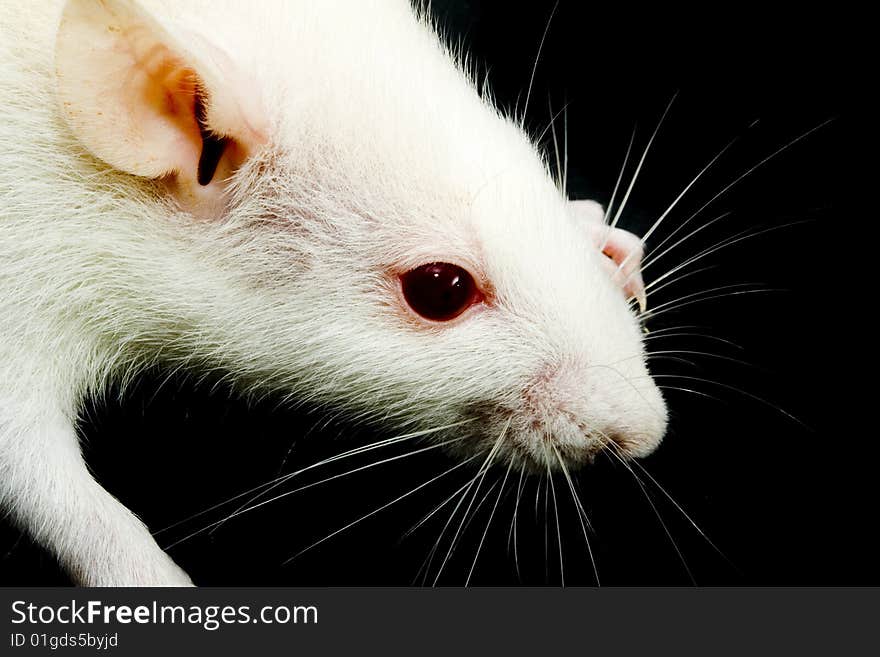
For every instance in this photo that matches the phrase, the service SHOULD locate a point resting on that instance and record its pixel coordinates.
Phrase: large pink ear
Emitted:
(622, 249)
(139, 100)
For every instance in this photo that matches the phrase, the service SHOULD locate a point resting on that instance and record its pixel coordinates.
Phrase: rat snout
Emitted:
(632, 412)
(570, 413)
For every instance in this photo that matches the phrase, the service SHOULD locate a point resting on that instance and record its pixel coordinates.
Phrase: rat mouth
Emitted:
(541, 444)
(567, 414)
(570, 446)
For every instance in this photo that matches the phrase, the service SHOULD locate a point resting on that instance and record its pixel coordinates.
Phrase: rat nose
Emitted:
(638, 442)
(633, 418)
(582, 410)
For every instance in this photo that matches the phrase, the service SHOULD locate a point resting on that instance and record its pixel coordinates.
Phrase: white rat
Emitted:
(312, 198)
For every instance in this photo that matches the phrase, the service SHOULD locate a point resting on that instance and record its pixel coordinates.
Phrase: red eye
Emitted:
(439, 291)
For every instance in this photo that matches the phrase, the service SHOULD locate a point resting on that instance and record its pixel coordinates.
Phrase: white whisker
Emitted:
(639, 166)
(657, 254)
(426, 564)
(514, 520)
(488, 524)
(312, 485)
(656, 511)
(558, 529)
(735, 239)
(608, 208)
(437, 508)
(708, 354)
(683, 512)
(686, 334)
(283, 478)
(696, 392)
(485, 469)
(581, 513)
(756, 166)
(738, 390)
(678, 198)
(677, 306)
(649, 293)
(535, 65)
(381, 508)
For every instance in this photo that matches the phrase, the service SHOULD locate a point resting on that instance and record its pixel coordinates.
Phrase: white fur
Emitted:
(381, 156)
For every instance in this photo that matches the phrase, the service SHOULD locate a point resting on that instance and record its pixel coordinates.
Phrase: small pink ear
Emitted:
(623, 250)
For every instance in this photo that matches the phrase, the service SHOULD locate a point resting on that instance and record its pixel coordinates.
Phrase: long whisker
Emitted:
(352, 452)
(549, 127)
(581, 513)
(654, 314)
(688, 334)
(695, 392)
(708, 354)
(678, 279)
(736, 239)
(754, 167)
(470, 514)
(728, 186)
(691, 184)
(535, 65)
(639, 166)
(538, 495)
(522, 473)
(381, 508)
(558, 530)
(559, 172)
(488, 524)
(469, 517)
(738, 390)
(547, 529)
(286, 478)
(725, 242)
(683, 512)
(656, 511)
(513, 522)
(565, 151)
(312, 485)
(678, 327)
(485, 468)
(608, 208)
(437, 508)
(711, 290)
(685, 330)
(426, 564)
(657, 253)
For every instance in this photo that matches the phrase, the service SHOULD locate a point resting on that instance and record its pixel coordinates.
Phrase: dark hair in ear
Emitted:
(212, 145)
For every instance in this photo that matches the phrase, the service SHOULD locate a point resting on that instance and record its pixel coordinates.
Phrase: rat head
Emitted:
(364, 230)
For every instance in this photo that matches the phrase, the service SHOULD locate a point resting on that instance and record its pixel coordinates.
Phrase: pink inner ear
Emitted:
(148, 103)
(166, 90)
(125, 90)
(624, 253)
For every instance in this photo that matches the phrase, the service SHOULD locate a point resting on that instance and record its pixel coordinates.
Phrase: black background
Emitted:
(787, 502)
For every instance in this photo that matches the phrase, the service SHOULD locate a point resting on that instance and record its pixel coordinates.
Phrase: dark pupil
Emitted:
(438, 291)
